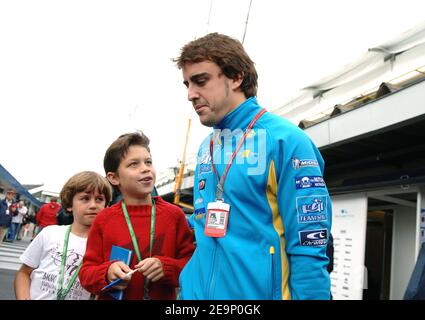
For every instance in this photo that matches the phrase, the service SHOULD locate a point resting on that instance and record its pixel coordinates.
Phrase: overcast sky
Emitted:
(74, 75)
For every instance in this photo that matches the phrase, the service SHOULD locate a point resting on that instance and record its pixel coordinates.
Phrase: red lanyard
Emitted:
(220, 185)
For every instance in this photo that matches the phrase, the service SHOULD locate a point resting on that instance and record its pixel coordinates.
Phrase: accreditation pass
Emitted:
(217, 218)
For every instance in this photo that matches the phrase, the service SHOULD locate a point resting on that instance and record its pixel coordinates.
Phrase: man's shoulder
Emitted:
(279, 128)
(270, 119)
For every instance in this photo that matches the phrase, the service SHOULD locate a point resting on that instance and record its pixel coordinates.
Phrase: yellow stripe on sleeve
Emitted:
(271, 193)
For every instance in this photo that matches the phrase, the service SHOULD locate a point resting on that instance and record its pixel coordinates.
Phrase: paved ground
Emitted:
(9, 264)
(6, 284)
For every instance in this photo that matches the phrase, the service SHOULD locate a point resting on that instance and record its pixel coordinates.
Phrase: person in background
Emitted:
(28, 224)
(64, 217)
(50, 264)
(5, 217)
(156, 231)
(47, 215)
(14, 213)
(262, 177)
(17, 220)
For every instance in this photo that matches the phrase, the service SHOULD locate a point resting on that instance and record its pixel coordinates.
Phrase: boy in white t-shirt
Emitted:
(49, 274)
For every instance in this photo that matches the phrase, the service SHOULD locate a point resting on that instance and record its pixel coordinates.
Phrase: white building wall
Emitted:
(349, 218)
(403, 253)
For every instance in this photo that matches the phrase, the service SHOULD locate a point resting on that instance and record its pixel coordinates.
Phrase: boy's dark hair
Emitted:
(119, 148)
(85, 181)
(227, 53)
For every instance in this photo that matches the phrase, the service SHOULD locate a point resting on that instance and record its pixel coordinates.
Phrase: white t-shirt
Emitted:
(20, 216)
(44, 254)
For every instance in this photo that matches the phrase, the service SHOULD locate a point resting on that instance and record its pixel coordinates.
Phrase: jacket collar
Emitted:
(241, 116)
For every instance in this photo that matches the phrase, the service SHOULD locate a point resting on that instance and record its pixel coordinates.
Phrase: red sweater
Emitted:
(46, 216)
(173, 245)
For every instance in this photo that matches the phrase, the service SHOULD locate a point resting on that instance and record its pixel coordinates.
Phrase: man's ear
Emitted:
(113, 178)
(236, 82)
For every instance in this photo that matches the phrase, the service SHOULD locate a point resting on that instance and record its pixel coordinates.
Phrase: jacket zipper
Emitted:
(271, 252)
(211, 278)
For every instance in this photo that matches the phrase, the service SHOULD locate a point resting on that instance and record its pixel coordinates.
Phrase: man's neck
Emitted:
(237, 100)
(80, 230)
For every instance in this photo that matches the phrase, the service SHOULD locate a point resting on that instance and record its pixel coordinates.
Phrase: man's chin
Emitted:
(206, 121)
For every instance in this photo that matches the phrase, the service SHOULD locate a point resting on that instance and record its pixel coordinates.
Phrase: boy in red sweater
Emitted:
(156, 231)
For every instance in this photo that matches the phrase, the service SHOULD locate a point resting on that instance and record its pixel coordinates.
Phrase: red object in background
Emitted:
(46, 216)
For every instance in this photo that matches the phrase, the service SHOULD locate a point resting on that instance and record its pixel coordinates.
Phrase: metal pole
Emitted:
(179, 178)
(209, 16)
(246, 22)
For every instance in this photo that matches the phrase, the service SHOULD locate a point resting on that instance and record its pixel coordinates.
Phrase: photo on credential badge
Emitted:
(213, 219)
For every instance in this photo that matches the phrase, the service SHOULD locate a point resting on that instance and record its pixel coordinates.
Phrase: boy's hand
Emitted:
(119, 270)
(151, 268)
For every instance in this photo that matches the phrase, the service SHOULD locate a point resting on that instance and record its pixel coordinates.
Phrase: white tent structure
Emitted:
(394, 61)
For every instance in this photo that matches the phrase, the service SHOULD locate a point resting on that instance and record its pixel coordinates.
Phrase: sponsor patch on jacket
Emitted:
(205, 168)
(314, 238)
(312, 208)
(200, 210)
(199, 213)
(204, 157)
(302, 163)
(204, 161)
(306, 182)
(199, 201)
(201, 184)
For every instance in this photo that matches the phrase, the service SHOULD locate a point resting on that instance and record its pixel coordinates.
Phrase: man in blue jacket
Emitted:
(262, 210)
(5, 217)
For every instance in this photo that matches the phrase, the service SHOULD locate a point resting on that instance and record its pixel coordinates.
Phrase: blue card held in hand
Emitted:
(124, 255)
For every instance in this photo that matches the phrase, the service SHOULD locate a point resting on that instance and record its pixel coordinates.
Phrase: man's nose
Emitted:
(192, 93)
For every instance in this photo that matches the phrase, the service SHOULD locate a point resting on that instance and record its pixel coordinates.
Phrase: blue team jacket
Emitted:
(280, 214)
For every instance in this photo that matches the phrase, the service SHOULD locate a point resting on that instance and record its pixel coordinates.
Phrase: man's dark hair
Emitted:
(228, 54)
(119, 148)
